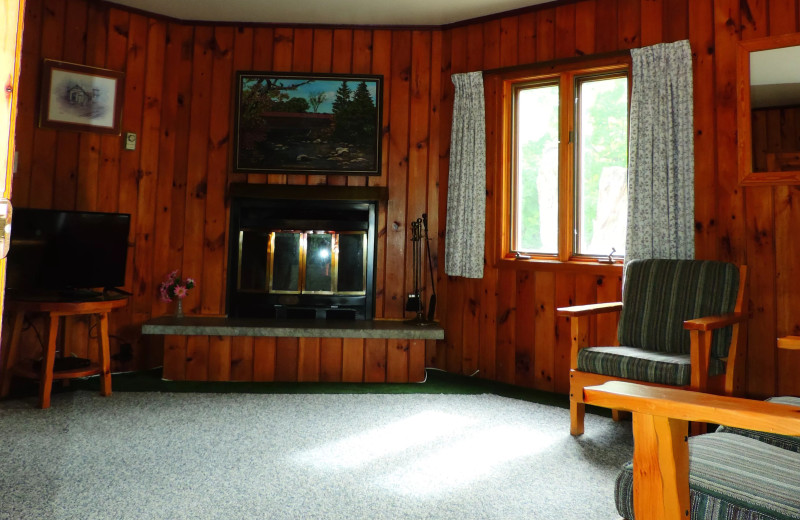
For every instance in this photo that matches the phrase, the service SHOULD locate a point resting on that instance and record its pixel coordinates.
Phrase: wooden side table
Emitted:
(55, 310)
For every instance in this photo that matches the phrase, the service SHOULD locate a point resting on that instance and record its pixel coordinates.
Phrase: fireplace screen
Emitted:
(302, 262)
(302, 252)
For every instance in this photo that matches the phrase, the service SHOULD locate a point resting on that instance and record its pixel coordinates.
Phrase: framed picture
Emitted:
(81, 98)
(316, 124)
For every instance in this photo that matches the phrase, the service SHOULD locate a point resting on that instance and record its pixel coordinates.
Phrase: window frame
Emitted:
(579, 80)
(507, 83)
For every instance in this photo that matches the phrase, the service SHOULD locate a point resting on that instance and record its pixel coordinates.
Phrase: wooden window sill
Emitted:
(576, 266)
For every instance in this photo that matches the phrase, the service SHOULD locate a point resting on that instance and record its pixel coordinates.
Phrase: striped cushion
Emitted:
(786, 442)
(660, 295)
(732, 478)
(642, 365)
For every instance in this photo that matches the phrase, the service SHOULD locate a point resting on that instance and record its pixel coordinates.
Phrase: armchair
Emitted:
(745, 470)
(678, 327)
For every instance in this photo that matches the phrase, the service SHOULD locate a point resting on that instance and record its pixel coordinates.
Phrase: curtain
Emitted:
(466, 192)
(661, 154)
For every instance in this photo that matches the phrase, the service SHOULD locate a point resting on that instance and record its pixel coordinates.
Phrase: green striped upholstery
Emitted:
(660, 295)
(732, 477)
(786, 442)
(642, 365)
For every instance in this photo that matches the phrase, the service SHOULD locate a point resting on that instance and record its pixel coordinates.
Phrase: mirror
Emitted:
(768, 94)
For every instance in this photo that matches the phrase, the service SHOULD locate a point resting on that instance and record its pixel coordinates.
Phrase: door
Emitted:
(10, 53)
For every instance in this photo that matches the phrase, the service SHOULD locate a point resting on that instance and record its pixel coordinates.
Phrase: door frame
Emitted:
(11, 28)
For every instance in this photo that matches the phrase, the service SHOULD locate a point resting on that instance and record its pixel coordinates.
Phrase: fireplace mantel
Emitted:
(208, 348)
(303, 192)
(218, 326)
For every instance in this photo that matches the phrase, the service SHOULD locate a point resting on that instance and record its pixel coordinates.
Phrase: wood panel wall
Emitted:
(178, 100)
(775, 131)
(502, 326)
(332, 360)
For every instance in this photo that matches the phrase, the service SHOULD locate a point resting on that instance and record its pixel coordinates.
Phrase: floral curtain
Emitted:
(466, 192)
(661, 154)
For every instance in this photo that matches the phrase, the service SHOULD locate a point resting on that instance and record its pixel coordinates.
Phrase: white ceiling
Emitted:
(774, 83)
(334, 12)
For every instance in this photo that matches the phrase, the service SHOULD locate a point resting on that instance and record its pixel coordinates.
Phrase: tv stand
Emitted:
(54, 311)
(77, 295)
(66, 295)
(115, 291)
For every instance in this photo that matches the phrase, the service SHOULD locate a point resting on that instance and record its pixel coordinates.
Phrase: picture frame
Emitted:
(81, 98)
(313, 124)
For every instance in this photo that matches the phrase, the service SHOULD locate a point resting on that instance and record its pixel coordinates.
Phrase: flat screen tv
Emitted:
(56, 251)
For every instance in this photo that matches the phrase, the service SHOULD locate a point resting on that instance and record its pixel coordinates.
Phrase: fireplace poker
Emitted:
(432, 304)
(414, 303)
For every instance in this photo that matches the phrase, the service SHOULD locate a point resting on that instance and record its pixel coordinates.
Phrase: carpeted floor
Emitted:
(170, 455)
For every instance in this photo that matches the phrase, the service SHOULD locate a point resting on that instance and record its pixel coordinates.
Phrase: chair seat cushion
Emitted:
(732, 477)
(787, 442)
(642, 365)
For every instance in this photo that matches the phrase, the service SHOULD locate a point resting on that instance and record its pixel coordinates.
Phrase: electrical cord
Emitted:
(28, 324)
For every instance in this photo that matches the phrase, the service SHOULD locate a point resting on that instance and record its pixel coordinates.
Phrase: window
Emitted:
(568, 164)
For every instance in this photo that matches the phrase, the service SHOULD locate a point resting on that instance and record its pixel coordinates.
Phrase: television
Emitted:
(63, 252)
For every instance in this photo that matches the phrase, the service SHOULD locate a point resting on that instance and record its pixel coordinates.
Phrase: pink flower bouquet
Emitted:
(174, 287)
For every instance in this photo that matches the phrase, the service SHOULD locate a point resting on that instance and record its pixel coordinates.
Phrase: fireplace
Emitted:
(302, 251)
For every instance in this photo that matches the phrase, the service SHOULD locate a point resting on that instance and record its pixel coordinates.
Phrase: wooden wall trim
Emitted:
(554, 266)
(557, 65)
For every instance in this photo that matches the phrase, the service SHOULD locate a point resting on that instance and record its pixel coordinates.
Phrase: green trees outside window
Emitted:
(580, 148)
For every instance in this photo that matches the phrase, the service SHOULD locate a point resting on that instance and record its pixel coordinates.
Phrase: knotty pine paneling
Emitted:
(178, 101)
(521, 341)
(215, 358)
(178, 98)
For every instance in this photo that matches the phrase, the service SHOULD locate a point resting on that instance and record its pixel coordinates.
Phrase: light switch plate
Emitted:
(130, 141)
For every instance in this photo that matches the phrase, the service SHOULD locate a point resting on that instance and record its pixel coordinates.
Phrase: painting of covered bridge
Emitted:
(313, 123)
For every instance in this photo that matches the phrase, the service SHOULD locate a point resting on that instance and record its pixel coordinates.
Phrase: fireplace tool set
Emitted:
(419, 228)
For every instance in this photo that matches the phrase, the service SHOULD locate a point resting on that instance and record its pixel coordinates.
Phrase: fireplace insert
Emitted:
(302, 251)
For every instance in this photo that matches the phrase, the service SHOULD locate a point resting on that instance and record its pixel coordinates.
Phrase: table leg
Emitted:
(9, 354)
(105, 357)
(49, 358)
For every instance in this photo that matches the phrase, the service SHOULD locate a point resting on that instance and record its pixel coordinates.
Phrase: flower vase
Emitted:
(179, 309)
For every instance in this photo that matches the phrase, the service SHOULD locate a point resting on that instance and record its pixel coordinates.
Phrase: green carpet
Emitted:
(436, 382)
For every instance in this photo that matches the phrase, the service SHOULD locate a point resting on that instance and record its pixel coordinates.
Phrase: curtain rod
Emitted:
(560, 61)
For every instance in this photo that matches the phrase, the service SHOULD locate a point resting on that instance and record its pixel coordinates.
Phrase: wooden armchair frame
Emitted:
(661, 448)
(701, 332)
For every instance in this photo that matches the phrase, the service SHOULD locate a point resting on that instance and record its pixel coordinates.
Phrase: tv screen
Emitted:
(55, 250)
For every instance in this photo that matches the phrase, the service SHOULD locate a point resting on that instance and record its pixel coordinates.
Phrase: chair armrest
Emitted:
(714, 322)
(587, 310)
(696, 406)
(579, 324)
(701, 331)
(789, 342)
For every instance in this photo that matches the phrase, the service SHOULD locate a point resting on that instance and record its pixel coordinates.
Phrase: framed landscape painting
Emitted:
(81, 98)
(316, 124)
